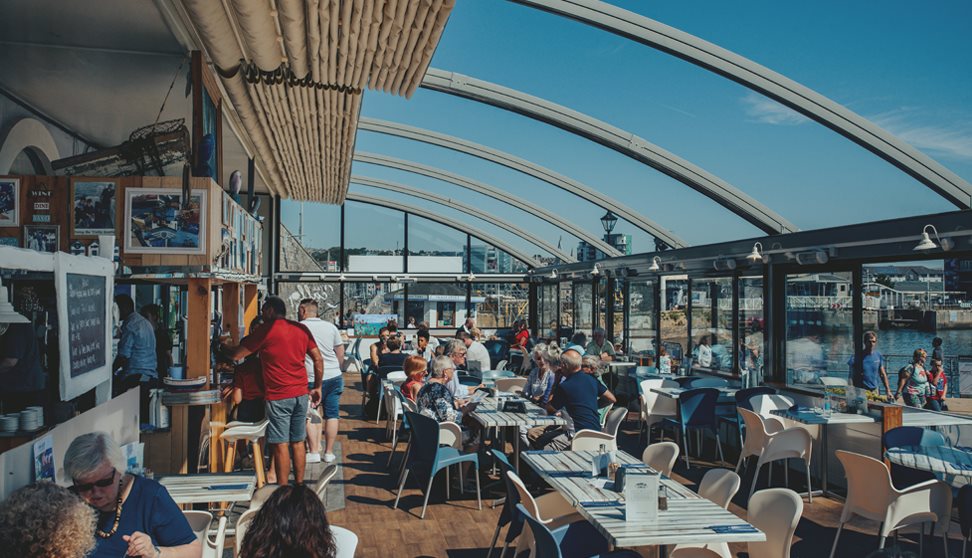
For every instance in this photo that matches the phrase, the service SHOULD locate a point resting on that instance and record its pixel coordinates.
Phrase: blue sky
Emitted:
(905, 65)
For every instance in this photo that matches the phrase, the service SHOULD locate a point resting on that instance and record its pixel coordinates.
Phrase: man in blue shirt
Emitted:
(136, 362)
(580, 395)
(870, 371)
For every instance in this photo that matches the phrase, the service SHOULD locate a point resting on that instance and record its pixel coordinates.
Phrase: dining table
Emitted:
(493, 417)
(943, 461)
(207, 488)
(689, 519)
(726, 394)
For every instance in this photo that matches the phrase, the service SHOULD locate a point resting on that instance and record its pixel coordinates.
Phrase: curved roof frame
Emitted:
(767, 82)
(524, 166)
(622, 141)
(486, 190)
(464, 208)
(527, 259)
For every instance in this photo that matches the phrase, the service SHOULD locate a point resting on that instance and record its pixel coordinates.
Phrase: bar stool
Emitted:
(250, 432)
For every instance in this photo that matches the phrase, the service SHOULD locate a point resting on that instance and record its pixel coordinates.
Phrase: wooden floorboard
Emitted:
(456, 529)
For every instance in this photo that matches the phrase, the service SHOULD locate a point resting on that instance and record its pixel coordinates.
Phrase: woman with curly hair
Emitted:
(44, 520)
(291, 524)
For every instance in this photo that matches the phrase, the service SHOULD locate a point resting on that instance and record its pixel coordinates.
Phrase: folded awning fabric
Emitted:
(295, 70)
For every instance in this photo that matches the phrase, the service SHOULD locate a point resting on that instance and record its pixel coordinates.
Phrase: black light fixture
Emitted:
(608, 221)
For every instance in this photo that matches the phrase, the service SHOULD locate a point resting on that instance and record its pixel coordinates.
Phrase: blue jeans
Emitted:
(287, 420)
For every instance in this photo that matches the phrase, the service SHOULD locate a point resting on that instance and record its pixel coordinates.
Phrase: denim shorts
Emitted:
(288, 420)
(331, 396)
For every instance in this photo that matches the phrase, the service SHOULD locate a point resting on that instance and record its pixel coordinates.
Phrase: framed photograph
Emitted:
(9, 202)
(93, 208)
(156, 223)
(42, 238)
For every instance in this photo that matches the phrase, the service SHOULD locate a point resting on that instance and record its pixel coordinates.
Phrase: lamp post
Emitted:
(608, 222)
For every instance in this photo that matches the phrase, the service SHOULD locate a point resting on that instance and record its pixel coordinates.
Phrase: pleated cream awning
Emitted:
(295, 71)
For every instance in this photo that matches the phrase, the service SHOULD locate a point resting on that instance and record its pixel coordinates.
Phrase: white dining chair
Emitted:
(871, 495)
(790, 443)
(250, 433)
(324, 479)
(345, 541)
(199, 522)
(656, 408)
(510, 385)
(719, 486)
(661, 457)
(393, 412)
(551, 509)
(776, 512)
(242, 524)
(592, 440)
(214, 548)
(766, 403)
(757, 432)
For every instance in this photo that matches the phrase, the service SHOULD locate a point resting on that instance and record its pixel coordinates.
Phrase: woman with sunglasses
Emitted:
(136, 516)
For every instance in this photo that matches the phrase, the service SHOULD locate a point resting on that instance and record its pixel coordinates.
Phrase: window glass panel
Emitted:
(499, 305)
(549, 328)
(434, 248)
(310, 236)
(674, 321)
(819, 327)
(327, 295)
(583, 306)
(617, 299)
(438, 304)
(751, 330)
(567, 305)
(712, 324)
(373, 298)
(374, 238)
(910, 304)
(484, 259)
(603, 299)
(641, 317)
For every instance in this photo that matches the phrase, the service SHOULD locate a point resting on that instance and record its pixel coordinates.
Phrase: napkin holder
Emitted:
(514, 406)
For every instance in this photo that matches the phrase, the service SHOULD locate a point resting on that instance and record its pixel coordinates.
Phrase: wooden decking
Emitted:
(456, 529)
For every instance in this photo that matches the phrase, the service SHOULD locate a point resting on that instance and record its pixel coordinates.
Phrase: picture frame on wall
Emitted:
(42, 238)
(156, 223)
(9, 202)
(93, 209)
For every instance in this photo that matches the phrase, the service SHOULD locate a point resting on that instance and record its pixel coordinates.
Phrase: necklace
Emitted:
(118, 512)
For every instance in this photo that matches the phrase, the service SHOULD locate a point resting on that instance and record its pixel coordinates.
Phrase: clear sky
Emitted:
(905, 65)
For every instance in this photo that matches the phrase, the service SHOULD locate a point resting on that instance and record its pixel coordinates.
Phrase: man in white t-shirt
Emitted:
(476, 352)
(331, 345)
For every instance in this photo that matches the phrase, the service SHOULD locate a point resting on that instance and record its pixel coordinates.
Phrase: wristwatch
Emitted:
(158, 551)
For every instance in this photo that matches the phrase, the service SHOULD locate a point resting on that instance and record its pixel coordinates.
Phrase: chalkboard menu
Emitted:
(86, 322)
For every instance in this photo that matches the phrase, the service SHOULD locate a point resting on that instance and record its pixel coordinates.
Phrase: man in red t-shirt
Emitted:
(282, 345)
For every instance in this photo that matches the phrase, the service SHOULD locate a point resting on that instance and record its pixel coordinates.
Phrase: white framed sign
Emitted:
(84, 301)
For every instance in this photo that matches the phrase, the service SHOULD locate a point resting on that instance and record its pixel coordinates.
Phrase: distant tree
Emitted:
(883, 279)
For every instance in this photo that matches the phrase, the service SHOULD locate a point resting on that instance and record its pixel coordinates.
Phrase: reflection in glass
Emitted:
(751, 327)
(583, 307)
(374, 238)
(567, 305)
(327, 296)
(484, 259)
(674, 321)
(438, 304)
(819, 327)
(641, 318)
(370, 298)
(434, 248)
(547, 312)
(712, 324)
(501, 304)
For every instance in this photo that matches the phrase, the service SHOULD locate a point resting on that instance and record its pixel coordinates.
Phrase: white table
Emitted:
(940, 460)
(674, 392)
(617, 367)
(811, 418)
(687, 520)
(486, 414)
(208, 488)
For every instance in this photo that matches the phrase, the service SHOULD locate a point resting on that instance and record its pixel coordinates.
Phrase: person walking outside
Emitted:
(913, 381)
(331, 346)
(283, 344)
(869, 372)
(939, 386)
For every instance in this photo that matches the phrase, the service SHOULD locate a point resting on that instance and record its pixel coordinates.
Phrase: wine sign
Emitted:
(86, 322)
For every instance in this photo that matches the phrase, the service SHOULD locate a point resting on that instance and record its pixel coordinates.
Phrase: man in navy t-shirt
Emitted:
(580, 395)
(870, 374)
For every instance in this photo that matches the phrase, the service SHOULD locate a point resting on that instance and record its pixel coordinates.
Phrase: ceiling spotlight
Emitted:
(595, 272)
(553, 273)
(654, 263)
(926, 242)
(471, 277)
(341, 277)
(757, 253)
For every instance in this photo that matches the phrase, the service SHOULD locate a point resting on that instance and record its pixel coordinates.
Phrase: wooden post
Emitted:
(250, 308)
(199, 296)
(891, 417)
(232, 310)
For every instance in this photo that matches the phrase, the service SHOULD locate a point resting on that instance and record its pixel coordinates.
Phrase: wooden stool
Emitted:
(250, 432)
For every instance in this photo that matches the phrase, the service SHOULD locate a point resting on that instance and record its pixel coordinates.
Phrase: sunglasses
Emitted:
(88, 487)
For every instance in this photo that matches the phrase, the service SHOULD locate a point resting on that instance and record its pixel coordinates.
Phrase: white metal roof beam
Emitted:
(763, 80)
(486, 190)
(622, 141)
(466, 228)
(522, 165)
(490, 218)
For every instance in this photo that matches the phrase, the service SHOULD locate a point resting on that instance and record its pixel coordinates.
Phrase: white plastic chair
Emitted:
(831, 381)
(214, 549)
(241, 526)
(758, 430)
(501, 365)
(261, 495)
(397, 377)
(393, 412)
(199, 522)
(510, 385)
(793, 442)
(719, 486)
(320, 487)
(774, 511)
(656, 408)
(661, 456)
(345, 541)
(551, 509)
(763, 404)
(871, 495)
(591, 440)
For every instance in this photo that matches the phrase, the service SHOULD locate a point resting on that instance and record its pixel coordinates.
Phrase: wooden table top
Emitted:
(809, 417)
(486, 413)
(206, 487)
(941, 460)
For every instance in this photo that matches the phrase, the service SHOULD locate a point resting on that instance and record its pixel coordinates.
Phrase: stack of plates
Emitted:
(9, 423)
(31, 419)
